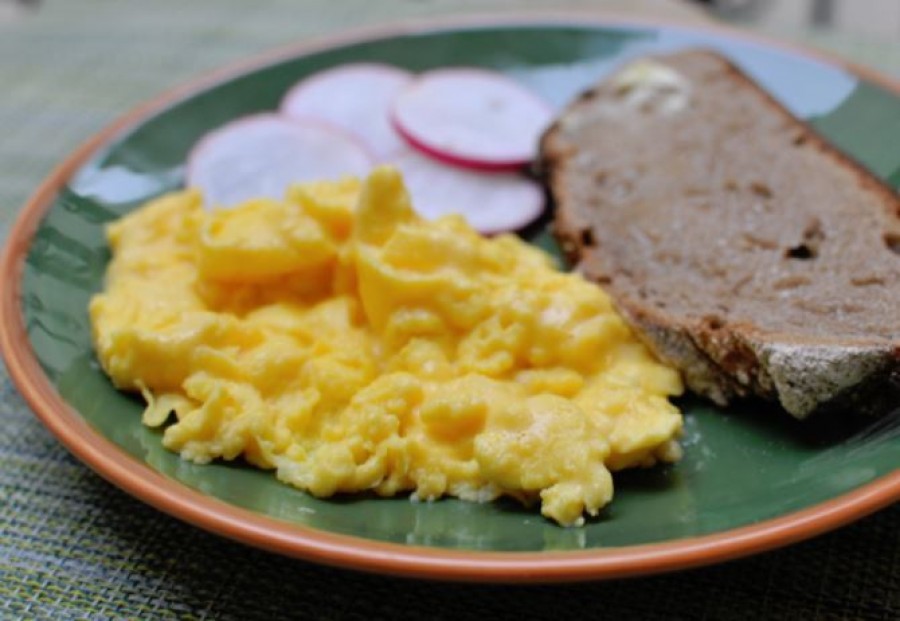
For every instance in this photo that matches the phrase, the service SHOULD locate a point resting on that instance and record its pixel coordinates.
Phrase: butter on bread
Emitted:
(744, 248)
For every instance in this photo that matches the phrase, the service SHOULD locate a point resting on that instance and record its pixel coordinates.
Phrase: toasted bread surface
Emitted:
(743, 247)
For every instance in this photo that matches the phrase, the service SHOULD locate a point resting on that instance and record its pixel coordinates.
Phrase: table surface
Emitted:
(73, 546)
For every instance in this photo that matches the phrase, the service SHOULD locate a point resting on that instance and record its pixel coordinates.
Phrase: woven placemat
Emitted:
(73, 546)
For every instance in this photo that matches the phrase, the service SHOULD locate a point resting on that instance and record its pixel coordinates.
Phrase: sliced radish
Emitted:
(490, 202)
(356, 97)
(261, 155)
(471, 117)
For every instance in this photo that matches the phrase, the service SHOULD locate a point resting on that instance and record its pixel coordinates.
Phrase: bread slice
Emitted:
(745, 250)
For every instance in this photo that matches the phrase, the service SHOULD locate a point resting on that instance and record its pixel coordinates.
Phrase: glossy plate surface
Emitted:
(751, 479)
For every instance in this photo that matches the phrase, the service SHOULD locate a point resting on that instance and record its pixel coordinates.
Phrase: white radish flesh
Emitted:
(490, 202)
(261, 155)
(471, 117)
(356, 97)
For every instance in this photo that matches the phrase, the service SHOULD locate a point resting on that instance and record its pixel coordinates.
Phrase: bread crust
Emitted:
(728, 360)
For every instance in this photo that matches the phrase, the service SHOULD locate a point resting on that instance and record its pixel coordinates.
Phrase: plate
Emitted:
(751, 478)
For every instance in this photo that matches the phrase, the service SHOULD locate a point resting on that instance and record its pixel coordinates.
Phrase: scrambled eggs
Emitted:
(349, 345)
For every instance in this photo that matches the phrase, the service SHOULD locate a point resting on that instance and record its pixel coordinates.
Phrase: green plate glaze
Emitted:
(742, 467)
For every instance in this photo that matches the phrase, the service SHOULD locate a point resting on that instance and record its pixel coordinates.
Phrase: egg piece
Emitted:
(341, 341)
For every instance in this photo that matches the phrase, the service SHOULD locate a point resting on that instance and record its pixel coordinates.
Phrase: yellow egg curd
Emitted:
(349, 345)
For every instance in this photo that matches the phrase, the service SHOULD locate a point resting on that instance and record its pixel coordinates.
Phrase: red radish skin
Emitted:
(356, 97)
(490, 202)
(471, 117)
(261, 155)
(451, 159)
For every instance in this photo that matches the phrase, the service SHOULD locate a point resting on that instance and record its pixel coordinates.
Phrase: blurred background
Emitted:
(871, 17)
(875, 17)
(857, 28)
(866, 30)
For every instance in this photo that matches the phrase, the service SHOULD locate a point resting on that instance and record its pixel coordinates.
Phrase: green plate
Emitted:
(750, 479)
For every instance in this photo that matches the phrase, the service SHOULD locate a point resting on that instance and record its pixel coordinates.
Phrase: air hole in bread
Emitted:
(587, 95)
(750, 240)
(802, 252)
(866, 281)
(790, 282)
(587, 237)
(892, 241)
(761, 189)
(813, 235)
(714, 322)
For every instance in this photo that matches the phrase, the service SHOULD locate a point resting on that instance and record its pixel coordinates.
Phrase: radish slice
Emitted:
(490, 202)
(471, 117)
(356, 97)
(261, 155)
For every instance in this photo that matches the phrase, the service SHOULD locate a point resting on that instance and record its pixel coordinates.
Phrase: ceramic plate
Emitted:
(751, 479)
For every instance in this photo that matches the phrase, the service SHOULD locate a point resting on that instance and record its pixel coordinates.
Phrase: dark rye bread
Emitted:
(744, 249)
